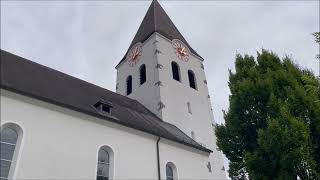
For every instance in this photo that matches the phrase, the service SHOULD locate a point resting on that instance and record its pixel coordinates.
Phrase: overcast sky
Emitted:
(87, 39)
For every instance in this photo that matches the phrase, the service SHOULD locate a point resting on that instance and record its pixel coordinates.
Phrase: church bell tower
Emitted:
(163, 72)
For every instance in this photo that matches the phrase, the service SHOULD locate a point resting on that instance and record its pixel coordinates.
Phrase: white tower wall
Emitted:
(174, 94)
(147, 93)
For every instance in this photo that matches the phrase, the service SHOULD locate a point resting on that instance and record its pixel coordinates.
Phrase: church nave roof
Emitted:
(37, 81)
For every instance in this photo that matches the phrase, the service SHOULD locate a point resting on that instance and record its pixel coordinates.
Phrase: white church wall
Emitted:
(58, 143)
(192, 167)
(64, 144)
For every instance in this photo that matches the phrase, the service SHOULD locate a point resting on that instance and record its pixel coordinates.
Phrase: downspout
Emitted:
(158, 158)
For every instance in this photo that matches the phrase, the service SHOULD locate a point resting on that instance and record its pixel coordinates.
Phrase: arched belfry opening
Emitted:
(175, 71)
(129, 85)
(143, 74)
(192, 79)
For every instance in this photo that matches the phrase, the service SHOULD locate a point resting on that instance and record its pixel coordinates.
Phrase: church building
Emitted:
(158, 125)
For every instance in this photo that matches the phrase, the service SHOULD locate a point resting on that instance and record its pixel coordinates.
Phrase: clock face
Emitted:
(134, 54)
(181, 50)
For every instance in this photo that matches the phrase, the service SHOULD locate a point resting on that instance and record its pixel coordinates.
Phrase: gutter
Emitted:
(158, 158)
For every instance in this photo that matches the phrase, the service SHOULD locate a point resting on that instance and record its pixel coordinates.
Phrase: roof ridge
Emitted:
(154, 12)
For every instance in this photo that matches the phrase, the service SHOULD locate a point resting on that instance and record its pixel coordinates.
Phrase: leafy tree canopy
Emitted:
(317, 39)
(272, 127)
(317, 36)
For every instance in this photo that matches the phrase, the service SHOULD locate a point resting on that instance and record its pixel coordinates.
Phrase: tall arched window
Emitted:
(175, 71)
(143, 75)
(171, 172)
(103, 165)
(192, 80)
(8, 141)
(129, 85)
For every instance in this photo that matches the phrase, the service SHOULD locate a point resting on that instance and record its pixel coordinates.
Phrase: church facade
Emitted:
(157, 125)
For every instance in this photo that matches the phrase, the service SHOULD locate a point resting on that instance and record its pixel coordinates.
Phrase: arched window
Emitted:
(104, 165)
(129, 85)
(171, 171)
(192, 80)
(9, 137)
(175, 71)
(143, 75)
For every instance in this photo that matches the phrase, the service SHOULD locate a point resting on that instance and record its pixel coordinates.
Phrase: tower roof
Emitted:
(157, 20)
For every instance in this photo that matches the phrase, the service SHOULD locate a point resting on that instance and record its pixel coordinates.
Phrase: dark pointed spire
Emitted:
(157, 20)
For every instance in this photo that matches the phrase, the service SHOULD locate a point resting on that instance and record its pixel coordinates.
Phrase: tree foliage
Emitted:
(317, 39)
(272, 127)
(317, 36)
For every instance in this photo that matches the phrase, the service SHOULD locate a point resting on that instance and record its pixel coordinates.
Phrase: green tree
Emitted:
(317, 39)
(272, 127)
(317, 36)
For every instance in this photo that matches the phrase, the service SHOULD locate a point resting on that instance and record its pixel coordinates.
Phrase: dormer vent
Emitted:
(103, 107)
